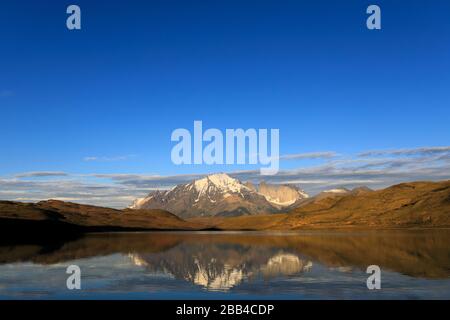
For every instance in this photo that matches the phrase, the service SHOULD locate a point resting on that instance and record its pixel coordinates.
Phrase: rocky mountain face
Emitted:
(221, 195)
(280, 195)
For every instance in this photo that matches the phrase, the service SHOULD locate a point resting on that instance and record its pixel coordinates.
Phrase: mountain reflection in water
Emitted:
(415, 264)
(219, 267)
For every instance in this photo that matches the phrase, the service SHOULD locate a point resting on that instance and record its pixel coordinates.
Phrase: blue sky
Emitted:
(95, 105)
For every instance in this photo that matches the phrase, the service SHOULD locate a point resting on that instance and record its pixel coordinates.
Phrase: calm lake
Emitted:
(231, 265)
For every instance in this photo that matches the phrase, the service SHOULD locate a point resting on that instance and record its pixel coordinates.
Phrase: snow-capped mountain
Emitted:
(220, 194)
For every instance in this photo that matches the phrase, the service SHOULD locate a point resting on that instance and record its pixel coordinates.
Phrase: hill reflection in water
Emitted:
(230, 262)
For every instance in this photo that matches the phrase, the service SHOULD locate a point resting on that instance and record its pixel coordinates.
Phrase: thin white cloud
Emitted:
(108, 159)
(309, 155)
(41, 174)
(407, 152)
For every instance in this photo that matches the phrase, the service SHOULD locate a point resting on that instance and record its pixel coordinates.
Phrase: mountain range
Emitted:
(222, 195)
(407, 205)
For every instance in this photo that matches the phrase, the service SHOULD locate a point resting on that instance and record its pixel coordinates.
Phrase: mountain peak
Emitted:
(220, 180)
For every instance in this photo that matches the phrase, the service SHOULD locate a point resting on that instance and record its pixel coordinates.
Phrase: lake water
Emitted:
(231, 265)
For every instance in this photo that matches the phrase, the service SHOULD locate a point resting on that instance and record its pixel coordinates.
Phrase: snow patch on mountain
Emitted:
(139, 202)
(337, 190)
(222, 182)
